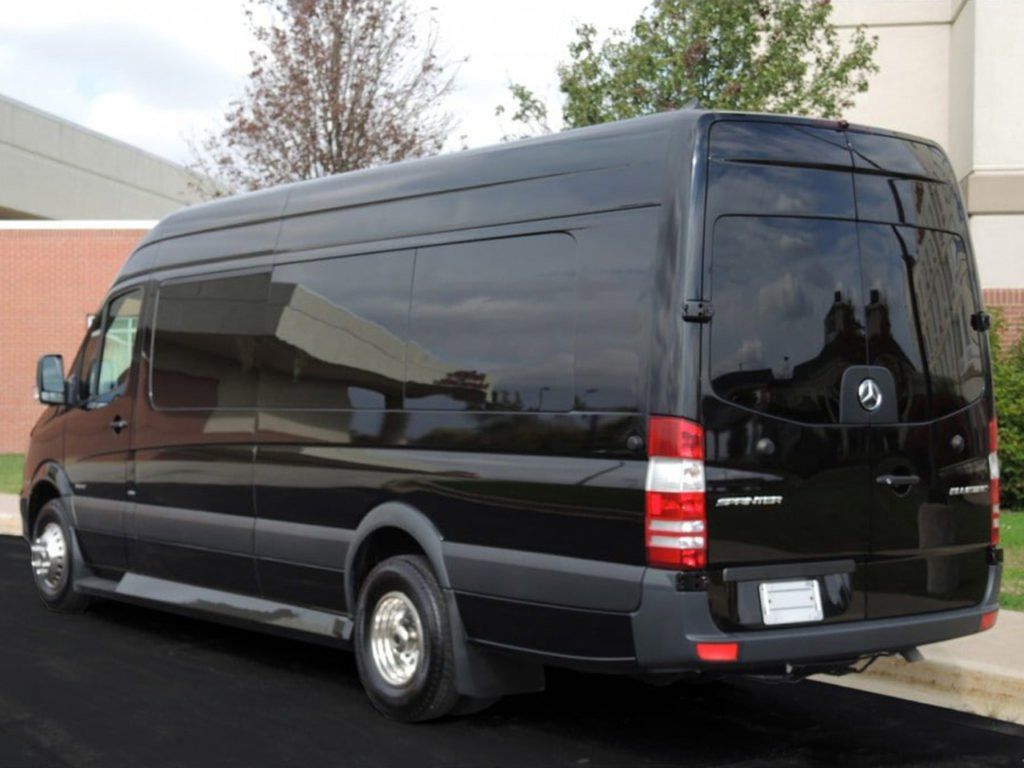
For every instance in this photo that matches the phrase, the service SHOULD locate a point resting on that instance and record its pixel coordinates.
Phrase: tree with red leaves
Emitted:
(336, 85)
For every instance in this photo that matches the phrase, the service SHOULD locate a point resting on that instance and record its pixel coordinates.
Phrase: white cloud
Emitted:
(158, 129)
(154, 73)
(522, 44)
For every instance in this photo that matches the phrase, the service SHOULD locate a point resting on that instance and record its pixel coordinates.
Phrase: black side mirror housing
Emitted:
(50, 386)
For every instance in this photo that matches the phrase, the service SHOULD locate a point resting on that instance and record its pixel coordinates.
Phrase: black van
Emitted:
(696, 393)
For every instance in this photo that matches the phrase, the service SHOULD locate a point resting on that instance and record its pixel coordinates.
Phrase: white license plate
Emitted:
(790, 602)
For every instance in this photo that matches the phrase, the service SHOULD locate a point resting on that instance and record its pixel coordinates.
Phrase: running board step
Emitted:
(213, 603)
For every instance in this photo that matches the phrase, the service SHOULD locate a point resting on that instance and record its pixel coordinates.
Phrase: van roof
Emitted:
(639, 141)
(558, 153)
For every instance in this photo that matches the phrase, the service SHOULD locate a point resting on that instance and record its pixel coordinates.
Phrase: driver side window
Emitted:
(122, 323)
(87, 369)
(106, 355)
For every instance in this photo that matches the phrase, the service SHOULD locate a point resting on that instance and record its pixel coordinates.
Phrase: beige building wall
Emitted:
(953, 71)
(51, 168)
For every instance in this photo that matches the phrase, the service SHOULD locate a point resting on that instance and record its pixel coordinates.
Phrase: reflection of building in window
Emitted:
(787, 321)
(205, 340)
(342, 360)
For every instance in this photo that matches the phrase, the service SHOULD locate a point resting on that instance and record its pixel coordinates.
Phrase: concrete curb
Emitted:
(10, 515)
(982, 674)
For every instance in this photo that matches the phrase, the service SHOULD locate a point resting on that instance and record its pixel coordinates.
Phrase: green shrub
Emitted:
(1008, 376)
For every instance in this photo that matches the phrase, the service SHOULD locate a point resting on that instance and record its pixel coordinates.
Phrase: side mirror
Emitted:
(50, 380)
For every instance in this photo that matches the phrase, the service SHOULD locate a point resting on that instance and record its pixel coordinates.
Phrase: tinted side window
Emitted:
(492, 326)
(788, 314)
(336, 333)
(614, 293)
(204, 345)
(920, 302)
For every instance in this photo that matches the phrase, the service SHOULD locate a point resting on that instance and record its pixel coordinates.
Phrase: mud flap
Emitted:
(481, 673)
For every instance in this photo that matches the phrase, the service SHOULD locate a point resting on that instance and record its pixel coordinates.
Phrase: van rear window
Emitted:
(920, 300)
(798, 301)
(788, 314)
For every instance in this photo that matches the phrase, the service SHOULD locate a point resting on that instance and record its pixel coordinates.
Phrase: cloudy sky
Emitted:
(154, 73)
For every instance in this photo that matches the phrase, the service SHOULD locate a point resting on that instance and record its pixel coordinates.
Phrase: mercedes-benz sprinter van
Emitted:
(698, 393)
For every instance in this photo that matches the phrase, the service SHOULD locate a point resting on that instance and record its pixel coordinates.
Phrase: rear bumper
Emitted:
(670, 623)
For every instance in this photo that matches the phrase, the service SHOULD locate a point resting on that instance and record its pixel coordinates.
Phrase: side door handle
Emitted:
(118, 425)
(898, 481)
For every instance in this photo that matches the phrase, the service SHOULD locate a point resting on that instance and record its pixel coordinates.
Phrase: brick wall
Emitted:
(50, 280)
(1008, 302)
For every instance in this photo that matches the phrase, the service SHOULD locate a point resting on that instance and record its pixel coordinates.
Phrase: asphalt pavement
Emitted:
(127, 686)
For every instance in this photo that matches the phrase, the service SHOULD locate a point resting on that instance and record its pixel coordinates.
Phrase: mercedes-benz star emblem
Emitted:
(870, 395)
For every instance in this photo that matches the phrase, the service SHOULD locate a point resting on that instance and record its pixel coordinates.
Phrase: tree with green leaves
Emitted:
(1008, 381)
(754, 55)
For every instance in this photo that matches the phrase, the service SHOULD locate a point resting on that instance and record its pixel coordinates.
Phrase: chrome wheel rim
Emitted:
(396, 639)
(50, 558)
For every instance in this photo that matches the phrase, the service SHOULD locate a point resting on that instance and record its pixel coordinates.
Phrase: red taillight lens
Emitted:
(993, 477)
(675, 438)
(988, 620)
(718, 651)
(676, 519)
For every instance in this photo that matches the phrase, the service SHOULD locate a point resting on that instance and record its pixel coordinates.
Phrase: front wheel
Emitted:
(403, 641)
(52, 561)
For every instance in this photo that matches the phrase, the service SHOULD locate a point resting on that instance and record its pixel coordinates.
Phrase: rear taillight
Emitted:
(675, 528)
(988, 620)
(993, 477)
(718, 651)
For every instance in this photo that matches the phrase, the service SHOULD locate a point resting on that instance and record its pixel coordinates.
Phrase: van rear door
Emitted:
(788, 482)
(930, 511)
(839, 270)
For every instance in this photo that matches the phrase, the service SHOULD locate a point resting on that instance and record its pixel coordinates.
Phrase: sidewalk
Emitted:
(10, 517)
(982, 674)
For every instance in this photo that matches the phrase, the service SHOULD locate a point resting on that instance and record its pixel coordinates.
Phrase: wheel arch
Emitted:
(479, 673)
(49, 482)
(389, 527)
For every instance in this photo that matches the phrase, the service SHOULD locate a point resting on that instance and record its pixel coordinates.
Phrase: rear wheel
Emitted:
(52, 561)
(403, 641)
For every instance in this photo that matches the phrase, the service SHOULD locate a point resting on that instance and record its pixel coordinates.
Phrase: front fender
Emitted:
(52, 472)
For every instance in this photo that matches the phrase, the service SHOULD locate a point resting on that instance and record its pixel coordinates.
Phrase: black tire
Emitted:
(56, 589)
(430, 691)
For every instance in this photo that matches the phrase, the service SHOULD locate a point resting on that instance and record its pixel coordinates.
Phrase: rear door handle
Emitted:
(118, 425)
(897, 481)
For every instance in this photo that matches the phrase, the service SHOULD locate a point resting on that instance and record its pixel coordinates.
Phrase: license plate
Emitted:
(790, 602)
